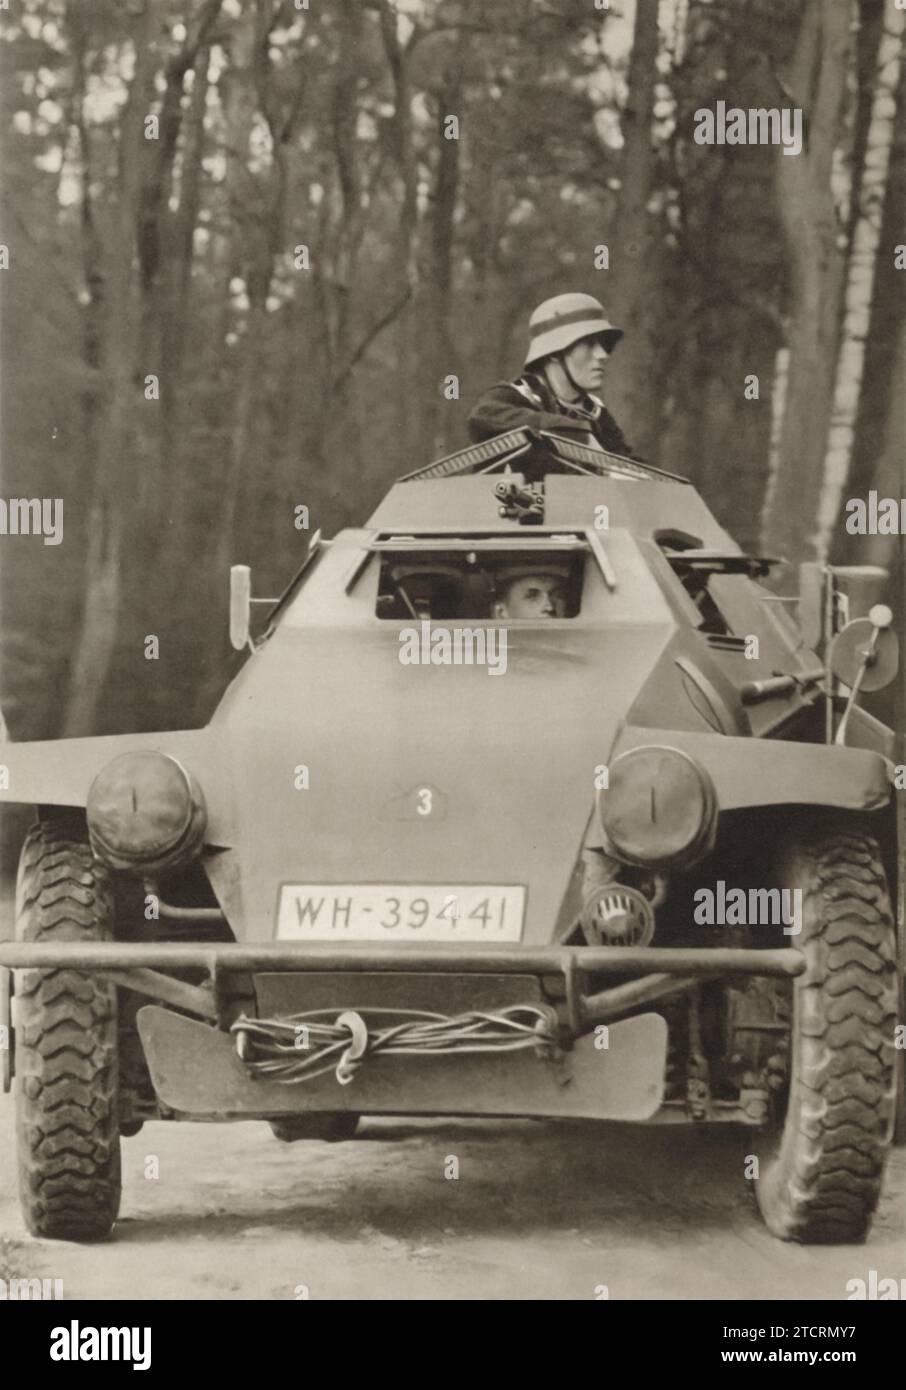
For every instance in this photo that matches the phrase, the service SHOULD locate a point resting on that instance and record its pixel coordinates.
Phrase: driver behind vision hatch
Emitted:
(526, 590)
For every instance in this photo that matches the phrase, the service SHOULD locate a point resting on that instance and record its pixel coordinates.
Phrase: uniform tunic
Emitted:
(530, 403)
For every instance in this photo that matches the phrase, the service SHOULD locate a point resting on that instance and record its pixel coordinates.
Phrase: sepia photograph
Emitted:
(452, 602)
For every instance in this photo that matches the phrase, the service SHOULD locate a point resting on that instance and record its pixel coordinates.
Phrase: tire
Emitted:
(333, 1128)
(824, 1164)
(66, 1046)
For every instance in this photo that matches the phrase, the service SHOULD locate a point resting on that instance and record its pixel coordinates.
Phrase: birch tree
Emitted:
(860, 275)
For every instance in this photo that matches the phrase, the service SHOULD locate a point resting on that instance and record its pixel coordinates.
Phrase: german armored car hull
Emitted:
(630, 860)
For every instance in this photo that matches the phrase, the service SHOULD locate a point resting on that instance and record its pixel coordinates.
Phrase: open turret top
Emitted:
(539, 452)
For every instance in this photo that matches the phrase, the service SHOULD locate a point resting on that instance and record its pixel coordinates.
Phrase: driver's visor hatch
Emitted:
(450, 555)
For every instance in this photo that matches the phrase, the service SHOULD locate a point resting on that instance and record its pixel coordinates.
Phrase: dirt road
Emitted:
(538, 1211)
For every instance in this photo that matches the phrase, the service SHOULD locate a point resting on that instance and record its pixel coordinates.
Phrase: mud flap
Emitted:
(196, 1071)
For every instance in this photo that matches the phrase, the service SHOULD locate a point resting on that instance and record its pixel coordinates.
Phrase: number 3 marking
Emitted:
(425, 801)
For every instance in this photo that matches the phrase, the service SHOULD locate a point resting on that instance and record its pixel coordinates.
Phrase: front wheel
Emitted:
(66, 1046)
(823, 1164)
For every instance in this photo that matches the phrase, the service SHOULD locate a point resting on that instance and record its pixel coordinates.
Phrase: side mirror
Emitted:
(864, 655)
(240, 606)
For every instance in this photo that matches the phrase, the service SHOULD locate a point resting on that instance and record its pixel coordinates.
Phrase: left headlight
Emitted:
(659, 809)
(145, 812)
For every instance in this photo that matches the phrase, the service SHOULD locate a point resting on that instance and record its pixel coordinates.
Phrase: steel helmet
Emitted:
(560, 322)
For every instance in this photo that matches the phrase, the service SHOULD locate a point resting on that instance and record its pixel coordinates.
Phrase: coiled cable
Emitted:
(304, 1046)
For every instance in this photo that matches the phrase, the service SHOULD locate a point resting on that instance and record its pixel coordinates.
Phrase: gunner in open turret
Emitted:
(571, 340)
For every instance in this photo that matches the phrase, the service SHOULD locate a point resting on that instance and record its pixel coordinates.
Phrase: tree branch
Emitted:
(377, 327)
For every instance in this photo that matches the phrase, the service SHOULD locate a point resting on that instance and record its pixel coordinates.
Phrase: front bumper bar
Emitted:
(658, 972)
(470, 959)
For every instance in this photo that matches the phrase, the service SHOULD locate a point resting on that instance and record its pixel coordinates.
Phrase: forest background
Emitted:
(298, 252)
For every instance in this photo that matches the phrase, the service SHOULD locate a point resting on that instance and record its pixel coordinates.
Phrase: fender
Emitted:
(772, 772)
(59, 772)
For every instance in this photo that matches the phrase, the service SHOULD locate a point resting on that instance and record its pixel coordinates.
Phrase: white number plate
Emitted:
(399, 912)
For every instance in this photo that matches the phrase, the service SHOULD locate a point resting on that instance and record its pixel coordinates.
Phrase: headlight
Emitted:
(145, 812)
(660, 807)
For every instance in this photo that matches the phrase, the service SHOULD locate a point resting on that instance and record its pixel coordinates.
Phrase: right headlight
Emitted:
(659, 809)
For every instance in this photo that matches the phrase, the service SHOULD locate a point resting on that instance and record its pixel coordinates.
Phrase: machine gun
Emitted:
(523, 504)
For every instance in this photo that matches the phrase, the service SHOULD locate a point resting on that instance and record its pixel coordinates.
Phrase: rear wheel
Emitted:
(823, 1163)
(66, 1046)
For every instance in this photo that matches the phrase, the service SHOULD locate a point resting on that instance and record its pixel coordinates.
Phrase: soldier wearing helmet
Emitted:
(571, 340)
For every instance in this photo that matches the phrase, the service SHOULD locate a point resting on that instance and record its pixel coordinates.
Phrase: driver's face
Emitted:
(535, 596)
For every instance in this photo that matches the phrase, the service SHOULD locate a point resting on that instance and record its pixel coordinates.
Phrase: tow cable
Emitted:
(304, 1046)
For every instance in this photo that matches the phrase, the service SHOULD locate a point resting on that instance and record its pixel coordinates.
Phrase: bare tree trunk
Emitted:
(349, 341)
(778, 413)
(811, 229)
(890, 470)
(92, 269)
(407, 267)
(264, 230)
(255, 265)
(179, 291)
(107, 518)
(716, 307)
(630, 368)
(440, 356)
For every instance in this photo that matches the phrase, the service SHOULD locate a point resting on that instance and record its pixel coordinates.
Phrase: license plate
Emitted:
(399, 912)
